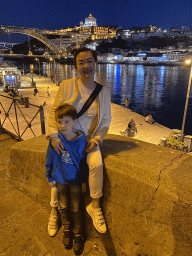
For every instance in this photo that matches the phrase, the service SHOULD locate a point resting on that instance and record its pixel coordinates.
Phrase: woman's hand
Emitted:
(57, 145)
(90, 146)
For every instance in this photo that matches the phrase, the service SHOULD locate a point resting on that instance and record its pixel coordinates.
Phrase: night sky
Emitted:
(57, 14)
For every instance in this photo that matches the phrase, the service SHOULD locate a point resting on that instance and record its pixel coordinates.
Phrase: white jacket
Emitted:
(68, 93)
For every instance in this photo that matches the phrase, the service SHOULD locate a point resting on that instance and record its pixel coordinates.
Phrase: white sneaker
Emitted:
(97, 217)
(53, 226)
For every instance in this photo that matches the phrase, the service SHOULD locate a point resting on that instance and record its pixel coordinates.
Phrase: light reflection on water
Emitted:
(159, 90)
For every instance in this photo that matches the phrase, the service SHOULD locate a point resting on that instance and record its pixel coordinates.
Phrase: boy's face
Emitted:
(65, 124)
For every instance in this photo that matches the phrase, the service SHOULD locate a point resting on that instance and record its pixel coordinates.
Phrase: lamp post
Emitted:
(186, 102)
(52, 59)
(39, 66)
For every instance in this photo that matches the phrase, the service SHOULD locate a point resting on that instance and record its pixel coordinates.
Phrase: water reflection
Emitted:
(61, 72)
(159, 90)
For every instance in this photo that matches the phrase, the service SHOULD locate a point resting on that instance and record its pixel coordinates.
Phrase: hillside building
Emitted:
(91, 29)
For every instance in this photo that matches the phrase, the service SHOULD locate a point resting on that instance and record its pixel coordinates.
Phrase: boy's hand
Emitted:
(84, 187)
(57, 145)
(53, 184)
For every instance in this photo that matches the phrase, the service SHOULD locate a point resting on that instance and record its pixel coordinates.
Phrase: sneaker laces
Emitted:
(52, 221)
(77, 238)
(100, 217)
(67, 233)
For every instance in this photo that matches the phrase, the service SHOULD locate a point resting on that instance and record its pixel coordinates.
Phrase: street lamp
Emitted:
(52, 59)
(39, 66)
(187, 100)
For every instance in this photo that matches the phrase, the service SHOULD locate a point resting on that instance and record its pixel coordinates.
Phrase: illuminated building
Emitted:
(96, 32)
(9, 75)
(71, 38)
(89, 21)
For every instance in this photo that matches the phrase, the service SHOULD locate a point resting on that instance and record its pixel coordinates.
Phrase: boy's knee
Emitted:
(75, 207)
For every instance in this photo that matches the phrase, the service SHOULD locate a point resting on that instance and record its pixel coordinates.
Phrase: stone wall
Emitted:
(147, 198)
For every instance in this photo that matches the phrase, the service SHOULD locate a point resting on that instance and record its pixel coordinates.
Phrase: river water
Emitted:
(158, 90)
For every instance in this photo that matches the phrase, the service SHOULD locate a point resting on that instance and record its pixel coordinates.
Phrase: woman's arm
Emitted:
(106, 119)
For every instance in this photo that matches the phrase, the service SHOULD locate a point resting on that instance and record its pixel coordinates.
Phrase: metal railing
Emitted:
(17, 109)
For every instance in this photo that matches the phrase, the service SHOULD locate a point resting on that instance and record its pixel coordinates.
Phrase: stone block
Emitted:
(188, 142)
(147, 194)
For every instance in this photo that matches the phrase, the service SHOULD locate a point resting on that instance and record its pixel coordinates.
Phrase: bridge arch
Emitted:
(32, 33)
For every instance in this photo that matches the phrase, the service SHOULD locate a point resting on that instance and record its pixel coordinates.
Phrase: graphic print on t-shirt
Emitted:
(65, 157)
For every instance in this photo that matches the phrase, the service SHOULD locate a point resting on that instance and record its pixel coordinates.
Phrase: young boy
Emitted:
(67, 172)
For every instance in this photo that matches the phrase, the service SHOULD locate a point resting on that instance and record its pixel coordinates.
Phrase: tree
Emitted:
(156, 42)
(118, 43)
(21, 48)
(24, 48)
(103, 46)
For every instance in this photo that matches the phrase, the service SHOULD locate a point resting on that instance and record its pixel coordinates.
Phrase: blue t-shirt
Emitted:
(69, 168)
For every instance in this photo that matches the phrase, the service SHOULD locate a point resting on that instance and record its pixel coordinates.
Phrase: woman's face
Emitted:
(86, 65)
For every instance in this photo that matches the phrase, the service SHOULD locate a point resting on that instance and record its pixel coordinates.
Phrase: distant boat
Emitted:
(9, 75)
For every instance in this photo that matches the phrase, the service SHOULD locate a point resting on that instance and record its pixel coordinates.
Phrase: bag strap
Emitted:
(90, 100)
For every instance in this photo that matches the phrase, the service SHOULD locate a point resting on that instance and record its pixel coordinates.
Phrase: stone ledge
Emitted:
(147, 194)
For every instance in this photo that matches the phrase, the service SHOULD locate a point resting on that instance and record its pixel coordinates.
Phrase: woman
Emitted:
(94, 123)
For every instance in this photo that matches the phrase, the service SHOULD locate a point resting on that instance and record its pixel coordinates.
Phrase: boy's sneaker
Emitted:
(78, 245)
(97, 217)
(53, 225)
(67, 239)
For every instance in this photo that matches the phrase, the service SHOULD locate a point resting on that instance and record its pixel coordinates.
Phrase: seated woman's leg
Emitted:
(54, 199)
(95, 163)
(53, 220)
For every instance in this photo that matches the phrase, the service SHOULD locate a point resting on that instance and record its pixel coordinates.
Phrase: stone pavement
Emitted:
(151, 133)
(23, 221)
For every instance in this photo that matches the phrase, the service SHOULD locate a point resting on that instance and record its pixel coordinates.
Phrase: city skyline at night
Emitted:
(51, 15)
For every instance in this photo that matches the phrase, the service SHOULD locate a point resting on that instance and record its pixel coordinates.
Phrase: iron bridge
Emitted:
(36, 33)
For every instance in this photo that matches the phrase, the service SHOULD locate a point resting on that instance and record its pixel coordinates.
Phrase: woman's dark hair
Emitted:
(84, 49)
(65, 110)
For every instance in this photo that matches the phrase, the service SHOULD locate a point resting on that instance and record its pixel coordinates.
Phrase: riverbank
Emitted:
(69, 61)
(144, 63)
